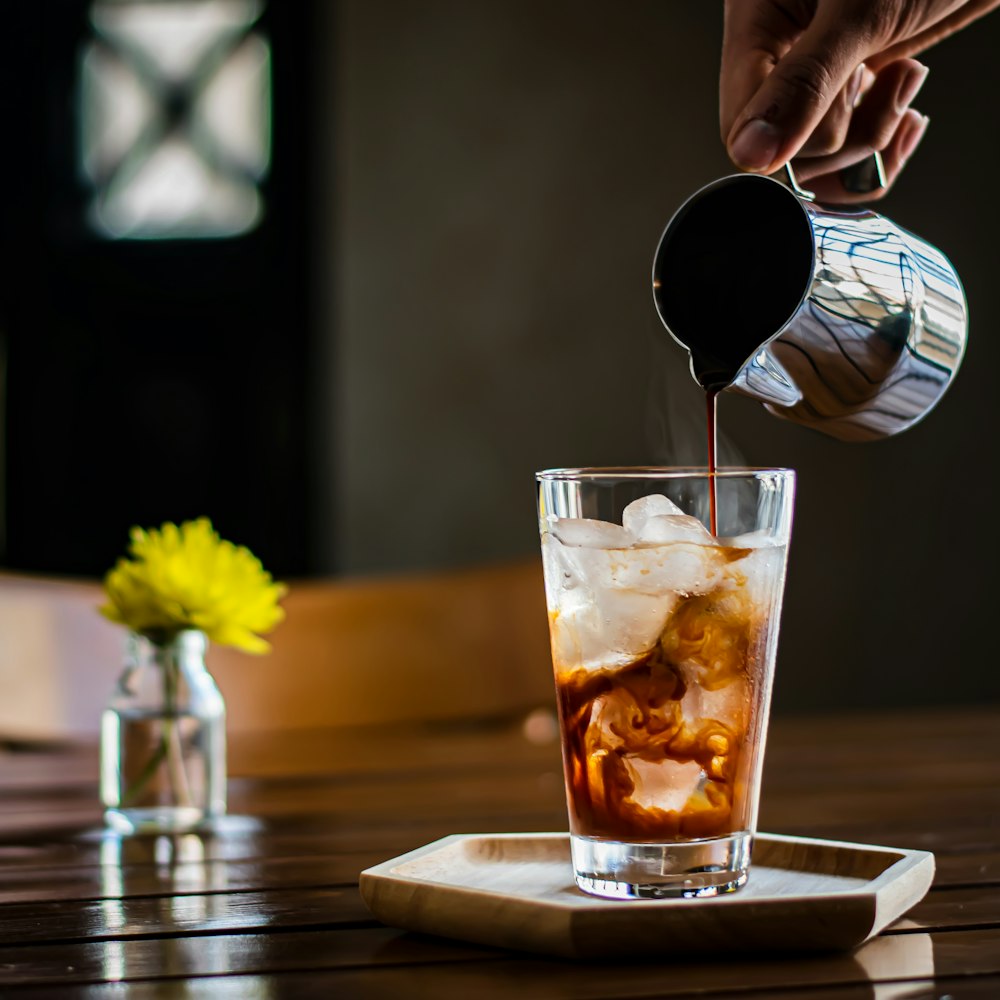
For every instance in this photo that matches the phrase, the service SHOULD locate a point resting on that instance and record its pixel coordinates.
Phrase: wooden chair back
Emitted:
(452, 645)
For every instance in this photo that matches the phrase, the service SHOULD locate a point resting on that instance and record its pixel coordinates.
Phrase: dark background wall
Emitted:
(451, 291)
(504, 170)
(152, 379)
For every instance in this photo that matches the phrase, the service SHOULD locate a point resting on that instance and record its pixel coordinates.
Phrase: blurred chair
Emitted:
(58, 658)
(452, 645)
(444, 646)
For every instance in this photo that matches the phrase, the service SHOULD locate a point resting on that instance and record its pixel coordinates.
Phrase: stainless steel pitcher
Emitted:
(833, 318)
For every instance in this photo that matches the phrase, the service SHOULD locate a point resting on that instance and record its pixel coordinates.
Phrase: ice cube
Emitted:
(728, 704)
(679, 567)
(661, 528)
(606, 628)
(577, 639)
(568, 567)
(631, 721)
(639, 511)
(763, 572)
(594, 621)
(585, 532)
(607, 716)
(663, 784)
(608, 606)
(763, 538)
(632, 621)
(556, 574)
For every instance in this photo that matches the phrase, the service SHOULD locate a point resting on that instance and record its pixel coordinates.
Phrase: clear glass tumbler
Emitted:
(663, 644)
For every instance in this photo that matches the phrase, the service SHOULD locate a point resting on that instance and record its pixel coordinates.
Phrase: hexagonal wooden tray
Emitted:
(517, 891)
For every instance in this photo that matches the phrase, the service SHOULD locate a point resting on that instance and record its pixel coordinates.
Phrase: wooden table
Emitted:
(270, 908)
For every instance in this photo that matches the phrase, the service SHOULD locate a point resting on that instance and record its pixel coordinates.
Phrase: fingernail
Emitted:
(865, 177)
(756, 145)
(909, 87)
(854, 86)
(869, 80)
(912, 138)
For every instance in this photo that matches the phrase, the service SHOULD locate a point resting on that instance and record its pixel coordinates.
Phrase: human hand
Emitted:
(825, 83)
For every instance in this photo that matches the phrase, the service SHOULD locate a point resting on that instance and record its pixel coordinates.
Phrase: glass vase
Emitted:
(163, 739)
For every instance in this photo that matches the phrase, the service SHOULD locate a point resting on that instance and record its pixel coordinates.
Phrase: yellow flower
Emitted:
(188, 577)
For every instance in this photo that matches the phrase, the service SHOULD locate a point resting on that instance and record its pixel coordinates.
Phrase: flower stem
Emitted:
(170, 746)
(137, 786)
(172, 735)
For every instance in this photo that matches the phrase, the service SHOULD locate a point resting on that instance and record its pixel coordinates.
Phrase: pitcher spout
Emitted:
(764, 378)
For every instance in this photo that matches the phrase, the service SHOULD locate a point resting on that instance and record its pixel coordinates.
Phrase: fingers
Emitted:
(797, 94)
(829, 187)
(873, 123)
(831, 133)
(756, 34)
(792, 73)
(929, 35)
(800, 57)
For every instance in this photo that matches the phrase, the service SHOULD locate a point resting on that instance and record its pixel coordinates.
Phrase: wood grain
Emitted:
(453, 966)
(271, 906)
(187, 914)
(516, 891)
(393, 983)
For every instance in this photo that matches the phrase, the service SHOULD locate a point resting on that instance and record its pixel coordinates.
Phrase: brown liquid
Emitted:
(688, 701)
(711, 408)
(664, 710)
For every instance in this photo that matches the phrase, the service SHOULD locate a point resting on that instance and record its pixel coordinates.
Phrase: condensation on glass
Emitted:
(175, 106)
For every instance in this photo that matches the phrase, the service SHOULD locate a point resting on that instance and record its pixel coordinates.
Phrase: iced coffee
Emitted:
(663, 642)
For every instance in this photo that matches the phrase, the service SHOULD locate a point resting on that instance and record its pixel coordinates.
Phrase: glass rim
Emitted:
(665, 472)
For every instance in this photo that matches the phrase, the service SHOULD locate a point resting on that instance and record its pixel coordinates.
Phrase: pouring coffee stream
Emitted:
(835, 319)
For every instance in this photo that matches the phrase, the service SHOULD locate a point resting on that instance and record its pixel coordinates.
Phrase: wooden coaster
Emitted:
(517, 891)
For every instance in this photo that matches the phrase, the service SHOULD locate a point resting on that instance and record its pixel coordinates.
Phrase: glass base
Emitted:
(693, 869)
(156, 819)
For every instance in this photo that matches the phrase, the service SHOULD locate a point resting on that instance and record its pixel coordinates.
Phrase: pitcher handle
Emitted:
(794, 184)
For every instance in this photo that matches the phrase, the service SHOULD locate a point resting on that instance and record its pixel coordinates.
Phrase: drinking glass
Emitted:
(663, 644)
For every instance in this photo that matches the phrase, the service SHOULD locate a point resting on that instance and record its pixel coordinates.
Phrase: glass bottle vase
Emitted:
(163, 739)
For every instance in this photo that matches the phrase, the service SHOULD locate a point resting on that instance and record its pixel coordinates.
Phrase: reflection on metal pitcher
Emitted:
(838, 320)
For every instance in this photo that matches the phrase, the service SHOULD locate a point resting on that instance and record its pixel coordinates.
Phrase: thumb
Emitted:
(797, 93)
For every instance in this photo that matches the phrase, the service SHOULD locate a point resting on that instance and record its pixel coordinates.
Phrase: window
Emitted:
(175, 100)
